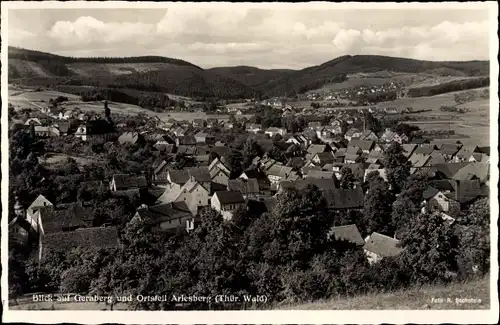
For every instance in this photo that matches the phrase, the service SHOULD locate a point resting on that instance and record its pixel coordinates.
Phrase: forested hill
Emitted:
(37, 56)
(163, 74)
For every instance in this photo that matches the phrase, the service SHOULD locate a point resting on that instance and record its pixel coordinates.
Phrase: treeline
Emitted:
(37, 56)
(385, 96)
(148, 100)
(451, 86)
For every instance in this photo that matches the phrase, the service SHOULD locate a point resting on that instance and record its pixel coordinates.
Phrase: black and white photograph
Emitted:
(309, 159)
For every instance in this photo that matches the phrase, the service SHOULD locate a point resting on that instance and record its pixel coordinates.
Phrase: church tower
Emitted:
(19, 210)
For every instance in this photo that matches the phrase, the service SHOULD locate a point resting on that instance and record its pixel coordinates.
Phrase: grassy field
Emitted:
(414, 299)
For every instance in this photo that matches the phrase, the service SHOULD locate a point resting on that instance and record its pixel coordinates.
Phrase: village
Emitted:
(332, 146)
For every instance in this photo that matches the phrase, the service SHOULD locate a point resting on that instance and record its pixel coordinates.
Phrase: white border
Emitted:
(260, 317)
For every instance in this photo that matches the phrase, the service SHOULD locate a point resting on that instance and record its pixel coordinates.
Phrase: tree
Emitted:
(251, 149)
(347, 179)
(235, 162)
(397, 165)
(430, 249)
(475, 239)
(377, 208)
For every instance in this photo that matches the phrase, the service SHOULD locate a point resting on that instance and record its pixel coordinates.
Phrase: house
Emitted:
(193, 193)
(353, 155)
(272, 131)
(352, 133)
(323, 158)
(375, 157)
(178, 132)
(378, 246)
(368, 135)
(65, 115)
(249, 188)
(131, 138)
(33, 120)
(124, 182)
(187, 140)
(472, 171)
(389, 136)
(201, 137)
(46, 131)
(408, 148)
(219, 172)
(62, 126)
(20, 231)
(301, 184)
(277, 173)
(449, 150)
(320, 174)
(166, 217)
(345, 199)
(365, 145)
(437, 201)
(479, 157)
(40, 202)
(187, 150)
(226, 202)
(349, 233)
(437, 158)
(261, 177)
(98, 237)
(425, 149)
(198, 123)
(164, 147)
(313, 149)
(418, 160)
(96, 129)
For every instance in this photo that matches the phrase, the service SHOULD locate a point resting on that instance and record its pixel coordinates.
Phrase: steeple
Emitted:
(107, 111)
(18, 209)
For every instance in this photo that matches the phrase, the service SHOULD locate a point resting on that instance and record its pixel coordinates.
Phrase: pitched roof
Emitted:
(419, 160)
(300, 184)
(100, 237)
(245, 186)
(187, 140)
(316, 148)
(125, 181)
(320, 174)
(348, 233)
(450, 169)
(164, 212)
(344, 199)
(409, 148)
(40, 201)
(229, 197)
(429, 192)
(129, 137)
(325, 157)
(437, 158)
(449, 149)
(365, 145)
(472, 170)
(382, 245)
(425, 149)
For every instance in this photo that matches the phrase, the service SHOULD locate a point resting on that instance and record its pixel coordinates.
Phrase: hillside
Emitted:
(251, 76)
(336, 71)
(163, 74)
(411, 299)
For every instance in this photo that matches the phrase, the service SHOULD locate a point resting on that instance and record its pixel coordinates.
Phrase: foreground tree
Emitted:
(398, 167)
(378, 207)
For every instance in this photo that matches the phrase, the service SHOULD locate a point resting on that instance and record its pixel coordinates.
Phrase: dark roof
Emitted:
(429, 192)
(164, 212)
(362, 144)
(325, 157)
(124, 181)
(382, 245)
(186, 149)
(100, 237)
(321, 174)
(449, 169)
(99, 127)
(164, 147)
(243, 185)
(23, 223)
(187, 140)
(63, 126)
(477, 170)
(229, 197)
(200, 174)
(221, 151)
(485, 150)
(449, 149)
(425, 149)
(344, 199)
(300, 184)
(349, 233)
(71, 216)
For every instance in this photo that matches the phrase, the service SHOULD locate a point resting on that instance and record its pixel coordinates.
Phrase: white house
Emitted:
(226, 202)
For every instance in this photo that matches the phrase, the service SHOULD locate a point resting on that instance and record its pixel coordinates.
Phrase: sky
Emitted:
(276, 37)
